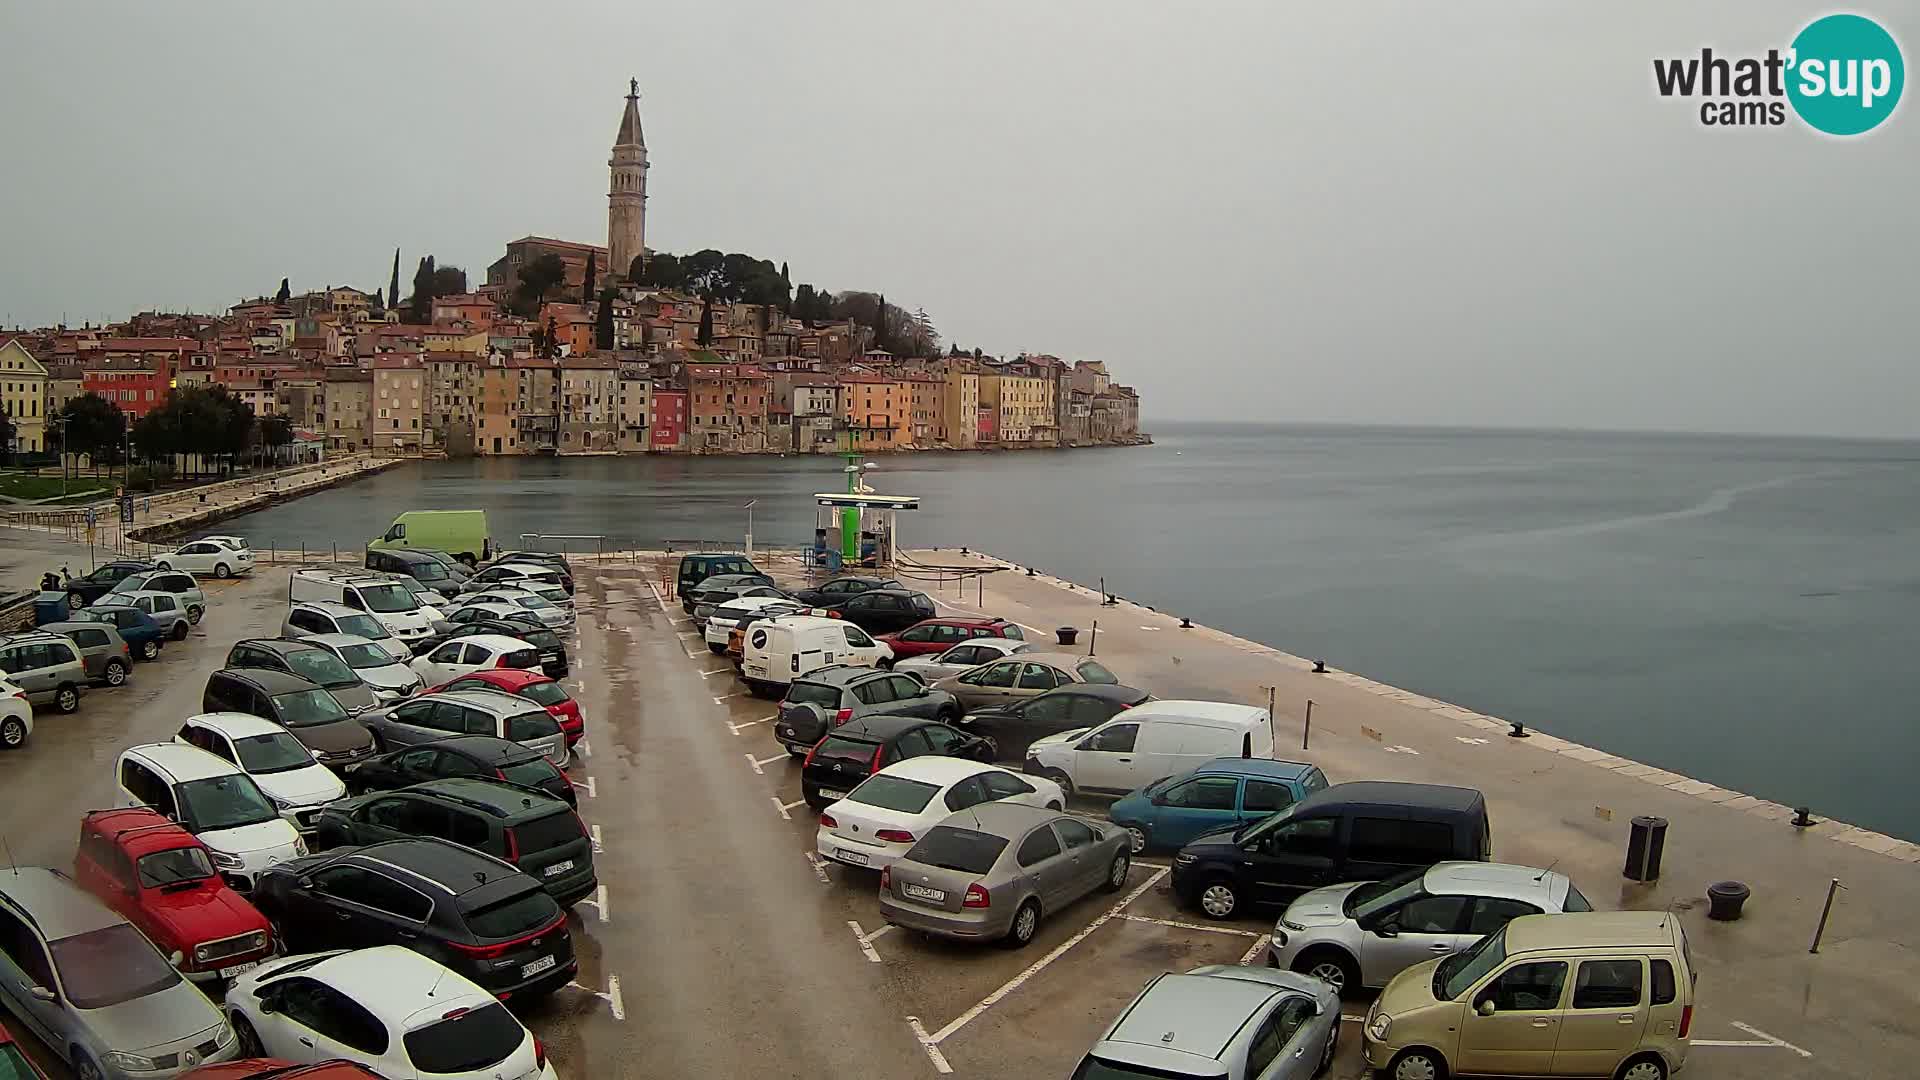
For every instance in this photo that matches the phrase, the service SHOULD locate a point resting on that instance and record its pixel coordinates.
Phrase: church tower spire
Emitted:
(627, 189)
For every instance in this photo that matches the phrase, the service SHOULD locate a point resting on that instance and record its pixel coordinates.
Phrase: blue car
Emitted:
(1223, 793)
(137, 628)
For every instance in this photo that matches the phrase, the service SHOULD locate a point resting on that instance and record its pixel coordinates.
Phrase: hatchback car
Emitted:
(537, 833)
(1222, 794)
(712, 600)
(1365, 933)
(938, 635)
(477, 652)
(160, 877)
(46, 667)
(282, 766)
(433, 717)
(828, 697)
(521, 602)
(310, 617)
(1223, 1021)
(89, 588)
(209, 557)
(472, 912)
(461, 755)
(1015, 725)
(305, 710)
(95, 990)
(163, 608)
(16, 716)
(883, 817)
(837, 589)
(510, 623)
(716, 584)
(215, 801)
(400, 1014)
(993, 871)
(389, 679)
(1023, 676)
(137, 628)
(884, 611)
(107, 655)
(730, 616)
(956, 659)
(858, 748)
(319, 666)
(177, 583)
(531, 685)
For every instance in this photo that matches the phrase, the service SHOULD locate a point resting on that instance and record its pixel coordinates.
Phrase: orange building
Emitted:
(878, 412)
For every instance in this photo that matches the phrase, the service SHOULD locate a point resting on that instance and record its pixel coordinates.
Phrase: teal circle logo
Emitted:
(1845, 74)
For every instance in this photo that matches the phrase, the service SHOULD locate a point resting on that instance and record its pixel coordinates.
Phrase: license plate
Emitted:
(238, 969)
(921, 892)
(858, 858)
(834, 795)
(759, 670)
(559, 868)
(528, 971)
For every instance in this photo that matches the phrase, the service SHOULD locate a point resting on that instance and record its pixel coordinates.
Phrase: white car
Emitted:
(390, 679)
(892, 809)
(744, 610)
(296, 784)
(961, 658)
(16, 716)
(463, 656)
(208, 557)
(400, 1014)
(550, 614)
(533, 577)
(215, 801)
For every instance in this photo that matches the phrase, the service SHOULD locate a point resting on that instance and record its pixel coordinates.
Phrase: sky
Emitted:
(1471, 213)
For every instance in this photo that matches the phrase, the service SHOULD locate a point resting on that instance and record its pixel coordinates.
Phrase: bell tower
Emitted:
(627, 189)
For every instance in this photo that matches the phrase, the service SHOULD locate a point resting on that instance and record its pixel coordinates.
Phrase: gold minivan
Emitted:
(1587, 994)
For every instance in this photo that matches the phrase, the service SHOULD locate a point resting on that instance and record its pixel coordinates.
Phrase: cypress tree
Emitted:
(586, 287)
(284, 294)
(706, 321)
(603, 321)
(393, 286)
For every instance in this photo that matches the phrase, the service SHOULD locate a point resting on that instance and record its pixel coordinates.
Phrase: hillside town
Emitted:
(572, 348)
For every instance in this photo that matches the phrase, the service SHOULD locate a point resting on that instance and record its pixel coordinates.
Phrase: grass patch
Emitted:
(47, 485)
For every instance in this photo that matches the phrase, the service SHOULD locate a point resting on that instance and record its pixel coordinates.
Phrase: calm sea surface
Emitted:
(1743, 610)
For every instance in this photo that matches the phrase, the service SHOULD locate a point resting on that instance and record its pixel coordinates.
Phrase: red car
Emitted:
(531, 685)
(262, 1068)
(160, 877)
(939, 635)
(13, 1061)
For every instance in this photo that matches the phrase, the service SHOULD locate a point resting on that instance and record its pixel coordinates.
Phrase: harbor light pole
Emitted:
(750, 503)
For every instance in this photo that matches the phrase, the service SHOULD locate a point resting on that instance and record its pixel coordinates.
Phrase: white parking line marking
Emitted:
(1188, 926)
(688, 633)
(613, 998)
(866, 943)
(693, 655)
(1346, 1019)
(1403, 750)
(592, 789)
(819, 868)
(779, 806)
(876, 934)
(920, 1032)
(794, 805)
(724, 698)
(598, 903)
(1761, 1039)
(715, 671)
(1259, 946)
(597, 845)
(584, 747)
(1469, 740)
(758, 762)
(657, 598)
(735, 728)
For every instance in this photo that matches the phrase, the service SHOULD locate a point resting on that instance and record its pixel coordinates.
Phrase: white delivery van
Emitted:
(781, 649)
(1149, 741)
(393, 604)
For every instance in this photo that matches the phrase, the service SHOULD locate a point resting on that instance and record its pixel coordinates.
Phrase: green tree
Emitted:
(586, 287)
(537, 279)
(393, 285)
(284, 294)
(448, 281)
(420, 304)
(803, 302)
(603, 319)
(94, 426)
(7, 434)
(705, 337)
(553, 338)
(276, 432)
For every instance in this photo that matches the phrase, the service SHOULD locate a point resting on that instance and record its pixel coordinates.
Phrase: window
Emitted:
(1266, 796)
(1527, 986)
(910, 744)
(1577, 902)
(904, 688)
(966, 793)
(1432, 915)
(373, 890)
(1663, 983)
(24, 949)
(917, 633)
(1114, 739)
(874, 692)
(447, 654)
(1302, 836)
(1074, 834)
(997, 675)
(1607, 984)
(1400, 841)
(1267, 1042)
(1095, 673)
(1000, 785)
(396, 814)
(328, 1012)
(1037, 677)
(466, 1042)
(1491, 913)
(528, 726)
(1204, 793)
(1039, 846)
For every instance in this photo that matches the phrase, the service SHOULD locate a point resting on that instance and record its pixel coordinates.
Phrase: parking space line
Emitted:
(584, 747)
(690, 655)
(794, 805)
(614, 1001)
(933, 1052)
(1174, 924)
(758, 762)
(592, 789)
(657, 598)
(1760, 1038)
(781, 807)
(597, 845)
(598, 903)
(735, 728)
(876, 934)
(724, 698)
(866, 943)
(1259, 946)
(716, 671)
(819, 868)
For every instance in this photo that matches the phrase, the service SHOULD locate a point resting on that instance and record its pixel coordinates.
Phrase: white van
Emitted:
(395, 605)
(781, 649)
(1149, 741)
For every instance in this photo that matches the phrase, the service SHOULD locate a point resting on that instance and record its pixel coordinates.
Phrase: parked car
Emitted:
(433, 717)
(177, 583)
(308, 712)
(137, 628)
(16, 716)
(716, 589)
(90, 587)
(46, 667)
(553, 560)
(857, 749)
(957, 659)
(107, 656)
(834, 590)
(1023, 676)
(322, 617)
(400, 1014)
(531, 685)
(95, 990)
(208, 557)
(160, 877)
(389, 679)
(713, 599)
(696, 567)
(1507, 1005)
(215, 800)
(991, 872)
(474, 653)
(537, 833)
(391, 604)
(460, 570)
(720, 624)
(285, 770)
(1225, 1021)
(538, 578)
(884, 611)
(14, 1064)
(477, 915)
(165, 609)
(1360, 831)
(553, 651)
(319, 666)
(418, 565)
(883, 817)
(268, 1068)
(940, 634)
(461, 755)
(1015, 725)
(1221, 794)
(1365, 933)
(521, 602)
(778, 650)
(823, 700)
(1150, 741)
(425, 597)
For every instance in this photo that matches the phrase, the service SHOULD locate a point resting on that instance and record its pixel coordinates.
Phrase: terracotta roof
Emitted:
(143, 344)
(395, 361)
(549, 241)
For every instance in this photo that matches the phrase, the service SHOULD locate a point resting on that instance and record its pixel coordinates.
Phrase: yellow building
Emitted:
(958, 421)
(23, 396)
(1021, 409)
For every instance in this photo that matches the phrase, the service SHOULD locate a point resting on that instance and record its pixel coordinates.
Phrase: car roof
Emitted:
(235, 725)
(1543, 888)
(1115, 691)
(1194, 1014)
(269, 681)
(962, 620)
(709, 556)
(880, 727)
(183, 763)
(282, 646)
(327, 607)
(486, 748)
(337, 640)
(502, 800)
(1223, 711)
(38, 634)
(498, 702)
(1009, 821)
(932, 769)
(755, 603)
(841, 675)
(893, 591)
(1393, 793)
(140, 830)
(804, 622)
(61, 628)
(1588, 929)
(456, 869)
(515, 677)
(390, 973)
(1266, 767)
(58, 906)
(497, 642)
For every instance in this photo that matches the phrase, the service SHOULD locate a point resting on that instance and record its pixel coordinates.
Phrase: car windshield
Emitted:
(516, 915)
(306, 708)
(894, 793)
(533, 772)
(545, 693)
(365, 626)
(321, 666)
(388, 598)
(365, 656)
(827, 697)
(163, 868)
(223, 802)
(1457, 973)
(964, 850)
(1094, 1068)
(1377, 896)
(111, 965)
(468, 1041)
(273, 752)
(428, 570)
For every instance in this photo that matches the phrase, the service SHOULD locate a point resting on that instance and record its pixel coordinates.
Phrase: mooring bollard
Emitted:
(1801, 820)
(1186, 623)
(1319, 667)
(1726, 898)
(1067, 634)
(1519, 730)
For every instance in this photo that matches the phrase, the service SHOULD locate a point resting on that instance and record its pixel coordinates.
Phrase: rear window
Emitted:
(964, 850)
(845, 749)
(469, 1042)
(1012, 631)
(1576, 901)
(539, 639)
(533, 725)
(541, 834)
(894, 793)
(802, 693)
(535, 773)
(321, 666)
(545, 693)
(1094, 1068)
(1095, 673)
(521, 913)
(1663, 984)
(521, 658)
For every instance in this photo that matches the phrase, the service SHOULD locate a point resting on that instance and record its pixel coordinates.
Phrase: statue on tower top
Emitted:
(633, 88)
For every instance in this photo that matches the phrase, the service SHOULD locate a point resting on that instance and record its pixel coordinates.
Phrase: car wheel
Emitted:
(1330, 966)
(84, 1066)
(75, 601)
(1650, 1067)
(1117, 873)
(717, 650)
(884, 665)
(249, 1039)
(1137, 839)
(149, 650)
(164, 564)
(13, 733)
(1219, 900)
(66, 699)
(1026, 923)
(115, 673)
(1054, 805)
(1327, 1055)
(1058, 777)
(949, 717)
(222, 570)
(1417, 1063)
(194, 613)
(179, 631)
(466, 558)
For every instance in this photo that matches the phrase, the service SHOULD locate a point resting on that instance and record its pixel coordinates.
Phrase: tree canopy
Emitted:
(94, 426)
(724, 278)
(537, 279)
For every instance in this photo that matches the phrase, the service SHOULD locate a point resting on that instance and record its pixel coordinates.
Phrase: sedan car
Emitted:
(883, 611)
(520, 601)
(527, 574)
(1024, 676)
(991, 872)
(937, 635)
(389, 679)
(177, 582)
(400, 1014)
(461, 755)
(209, 557)
(1016, 724)
(531, 685)
(89, 588)
(137, 628)
(857, 749)
(1223, 1021)
(889, 812)
(964, 657)
(837, 589)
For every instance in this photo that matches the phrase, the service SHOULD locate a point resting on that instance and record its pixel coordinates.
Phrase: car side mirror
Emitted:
(176, 958)
(1484, 1007)
(1386, 930)
(41, 993)
(1158, 799)
(269, 1004)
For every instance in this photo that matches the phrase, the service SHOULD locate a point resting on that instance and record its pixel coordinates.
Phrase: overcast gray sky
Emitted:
(1460, 213)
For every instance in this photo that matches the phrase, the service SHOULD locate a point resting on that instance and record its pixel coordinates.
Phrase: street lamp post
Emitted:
(750, 503)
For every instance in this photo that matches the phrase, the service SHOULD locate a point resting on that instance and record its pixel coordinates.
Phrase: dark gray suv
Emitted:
(824, 699)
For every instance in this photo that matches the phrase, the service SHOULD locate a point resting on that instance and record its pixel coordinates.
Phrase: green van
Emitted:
(460, 533)
(700, 566)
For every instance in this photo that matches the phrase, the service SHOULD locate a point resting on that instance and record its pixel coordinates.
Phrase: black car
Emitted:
(304, 708)
(310, 662)
(82, 591)
(467, 622)
(528, 828)
(462, 755)
(824, 699)
(859, 748)
(472, 913)
(426, 569)
(718, 589)
(883, 611)
(1015, 724)
(841, 588)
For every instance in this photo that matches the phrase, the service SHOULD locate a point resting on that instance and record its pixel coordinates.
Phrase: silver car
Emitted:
(95, 989)
(1025, 675)
(550, 614)
(470, 712)
(991, 871)
(390, 679)
(163, 607)
(1223, 1021)
(1365, 933)
(962, 658)
(178, 582)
